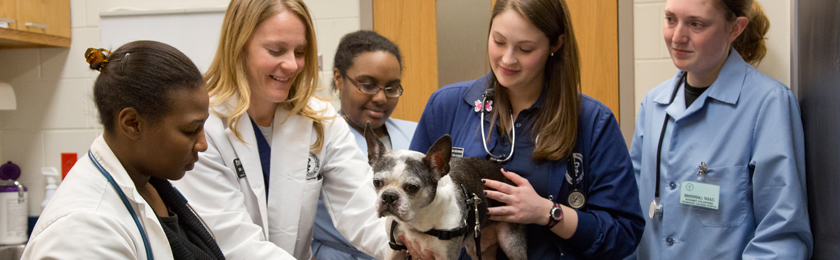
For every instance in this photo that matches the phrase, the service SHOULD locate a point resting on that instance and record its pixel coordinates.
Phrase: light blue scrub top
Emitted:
(327, 243)
(747, 128)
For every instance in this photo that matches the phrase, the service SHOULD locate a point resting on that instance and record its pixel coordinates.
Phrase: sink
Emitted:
(11, 252)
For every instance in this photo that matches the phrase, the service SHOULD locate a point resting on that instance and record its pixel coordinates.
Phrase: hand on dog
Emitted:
(522, 203)
(414, 250)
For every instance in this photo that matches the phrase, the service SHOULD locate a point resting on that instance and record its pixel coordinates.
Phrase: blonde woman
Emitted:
(273, 148)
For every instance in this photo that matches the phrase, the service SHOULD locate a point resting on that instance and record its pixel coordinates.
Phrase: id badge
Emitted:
(700, 194)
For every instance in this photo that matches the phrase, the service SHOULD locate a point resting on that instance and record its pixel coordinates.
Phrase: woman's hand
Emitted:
(414, 250)
(522, 203)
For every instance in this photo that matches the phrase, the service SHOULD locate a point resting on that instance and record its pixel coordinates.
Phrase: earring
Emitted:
(552, 54)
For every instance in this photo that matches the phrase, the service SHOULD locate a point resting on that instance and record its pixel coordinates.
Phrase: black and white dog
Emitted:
(434, 199)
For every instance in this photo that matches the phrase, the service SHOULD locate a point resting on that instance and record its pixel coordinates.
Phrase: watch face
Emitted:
(556, 213)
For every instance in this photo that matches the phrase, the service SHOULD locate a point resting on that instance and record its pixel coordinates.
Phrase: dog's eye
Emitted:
(377, 184)
(411, 188)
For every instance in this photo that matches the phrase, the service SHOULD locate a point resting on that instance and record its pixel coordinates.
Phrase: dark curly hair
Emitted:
(141, 75)
(358, 42)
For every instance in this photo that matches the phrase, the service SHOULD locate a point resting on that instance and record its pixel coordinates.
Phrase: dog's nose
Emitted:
(389, 197)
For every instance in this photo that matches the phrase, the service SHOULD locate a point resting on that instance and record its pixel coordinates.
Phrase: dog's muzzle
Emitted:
(388, 203)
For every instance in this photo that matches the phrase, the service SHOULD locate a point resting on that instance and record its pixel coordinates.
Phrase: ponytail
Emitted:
(751, 43)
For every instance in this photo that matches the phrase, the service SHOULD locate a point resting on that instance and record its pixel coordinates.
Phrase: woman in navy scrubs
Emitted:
(529, 115)
(722, 131)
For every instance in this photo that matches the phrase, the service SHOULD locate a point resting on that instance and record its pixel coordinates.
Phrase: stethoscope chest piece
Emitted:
(576, 199)
(655, 210)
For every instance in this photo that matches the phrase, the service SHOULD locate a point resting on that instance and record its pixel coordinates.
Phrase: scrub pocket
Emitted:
(732, 209)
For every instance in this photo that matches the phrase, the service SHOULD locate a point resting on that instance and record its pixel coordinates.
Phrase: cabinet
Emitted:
(34, 23)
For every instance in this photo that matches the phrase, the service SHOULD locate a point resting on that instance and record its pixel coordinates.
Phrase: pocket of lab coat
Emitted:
(732, 209)
(311, 192)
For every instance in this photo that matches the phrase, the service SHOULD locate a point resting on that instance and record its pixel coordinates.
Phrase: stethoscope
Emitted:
(488, 94)
(125, 202)
(576, 198)
(655, 209)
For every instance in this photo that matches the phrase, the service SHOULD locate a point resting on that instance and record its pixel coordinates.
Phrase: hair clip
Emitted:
(97, 56)
(124, 61)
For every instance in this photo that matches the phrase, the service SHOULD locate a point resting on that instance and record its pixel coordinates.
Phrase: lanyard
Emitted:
(656, 207)
(125, 202)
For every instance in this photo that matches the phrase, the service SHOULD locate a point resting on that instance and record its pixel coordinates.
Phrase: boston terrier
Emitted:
(433, 199)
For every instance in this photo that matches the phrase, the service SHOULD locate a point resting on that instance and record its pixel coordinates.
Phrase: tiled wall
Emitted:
(653, 63)
(55, 112)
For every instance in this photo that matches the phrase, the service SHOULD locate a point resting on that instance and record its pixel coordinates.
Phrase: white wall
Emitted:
(653, 63)
(53, 86)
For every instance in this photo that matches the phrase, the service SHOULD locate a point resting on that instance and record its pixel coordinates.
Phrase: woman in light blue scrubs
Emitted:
(718, 150)
(367, 72)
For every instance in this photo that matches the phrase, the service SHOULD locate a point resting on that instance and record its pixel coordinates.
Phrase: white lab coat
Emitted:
(246, 227)
(86, 219)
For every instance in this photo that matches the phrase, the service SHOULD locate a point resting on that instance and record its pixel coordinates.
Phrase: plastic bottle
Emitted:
(50, 173)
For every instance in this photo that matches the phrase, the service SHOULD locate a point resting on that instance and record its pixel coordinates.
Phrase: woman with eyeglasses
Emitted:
(273, 148)
(367, 75)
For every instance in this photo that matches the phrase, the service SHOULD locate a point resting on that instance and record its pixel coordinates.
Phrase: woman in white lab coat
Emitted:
(116, 202)
(273, 147)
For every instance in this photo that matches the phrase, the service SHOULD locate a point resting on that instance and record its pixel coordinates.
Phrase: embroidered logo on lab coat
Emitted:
(313, 167)
(578, 161)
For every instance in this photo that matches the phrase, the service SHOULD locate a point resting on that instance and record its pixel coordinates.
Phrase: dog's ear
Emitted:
(374, 146)
(438, 156)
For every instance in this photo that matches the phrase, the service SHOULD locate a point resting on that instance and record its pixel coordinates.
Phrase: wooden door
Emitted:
(54, 14)
(411, 24)
(596, 28)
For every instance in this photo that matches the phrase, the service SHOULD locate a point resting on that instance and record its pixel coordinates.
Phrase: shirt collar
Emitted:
(727, 86)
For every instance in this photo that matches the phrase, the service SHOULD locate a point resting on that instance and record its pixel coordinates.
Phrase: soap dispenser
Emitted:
(13, 208)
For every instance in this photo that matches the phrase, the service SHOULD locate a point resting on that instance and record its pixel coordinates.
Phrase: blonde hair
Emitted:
(751, 43)
(557, 120)
(226, 75)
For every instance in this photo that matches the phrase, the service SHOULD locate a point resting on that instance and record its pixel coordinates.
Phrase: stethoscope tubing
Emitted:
(125, 202)
(493, 157)
(661, 139)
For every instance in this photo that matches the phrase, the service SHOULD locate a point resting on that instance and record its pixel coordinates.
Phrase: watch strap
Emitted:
(552, 221)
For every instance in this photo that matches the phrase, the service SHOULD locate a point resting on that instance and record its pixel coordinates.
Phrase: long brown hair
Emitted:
(226, 75)
(751, 43)
(557, 119)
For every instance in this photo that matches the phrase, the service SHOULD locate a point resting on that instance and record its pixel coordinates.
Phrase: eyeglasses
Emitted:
(371, 89)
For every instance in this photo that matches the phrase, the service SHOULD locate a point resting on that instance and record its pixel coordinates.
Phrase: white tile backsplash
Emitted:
(69, 63)
(776, 63)
(647, 30)
(19, 65)
(77, 13)
(66, 141)
(649, 73)
(320, 9)
(49, 104)
(329, 32)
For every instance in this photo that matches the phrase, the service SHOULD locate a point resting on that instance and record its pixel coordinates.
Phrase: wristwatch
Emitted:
(554, 215)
